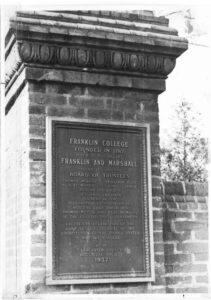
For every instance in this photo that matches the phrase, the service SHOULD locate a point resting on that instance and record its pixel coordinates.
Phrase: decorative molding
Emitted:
(106, 59)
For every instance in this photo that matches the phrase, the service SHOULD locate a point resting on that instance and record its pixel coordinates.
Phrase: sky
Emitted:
(190, 80)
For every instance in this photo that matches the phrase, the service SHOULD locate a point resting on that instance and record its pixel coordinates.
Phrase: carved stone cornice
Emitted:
(95, 43)
(100, 59)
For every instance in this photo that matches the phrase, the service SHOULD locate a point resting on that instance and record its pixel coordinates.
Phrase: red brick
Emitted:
(201, 256)
(36, 109)
(174, 188)
(37, 191)
(159, 258)
(202, 279)
(155, 160)
(126, 288)
(156, 191)
(38, 238)
(169, 268)
(188, 225)
(159, 276)
(201, 199)
(86, 101)
(183, 206)
(155, 150)
(72, 89)
(38, 262)
(37, 98)
(36, 131)
(37, 214)
(202, 289)
(201, 234)
(125, 105)
(192, 206)
(36, 87)
(154, 127)
(37, 120)
(139, 117)
(179, 198)
(201, 216)
(38, 250)
(177, 215)
(157, 225)
(189, 198)
(192, 247)
(37, 155)
(156, 181)
(37, 144)
(151, 117)
(158, 247)
(157, 214)
(38, 224)
(65, 111)
(190, 268)
(37, 178)
(158, 236)
(117, 115)
(129, 116)
(52, 88)
(171, 205)
(156, 171)
(168, 249)
(157, 289)
(38, 275)
(170, 290)
(180, 237)
(180, 258)
(197, 189)
(37, 166)
(202, 206)
(99, 114)
(157, 202)
(52, 99)
(178, 279)
(109, 103)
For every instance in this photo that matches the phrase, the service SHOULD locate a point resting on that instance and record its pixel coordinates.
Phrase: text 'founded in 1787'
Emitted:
(100, 212)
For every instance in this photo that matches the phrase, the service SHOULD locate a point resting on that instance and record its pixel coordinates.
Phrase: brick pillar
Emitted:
(86, 65)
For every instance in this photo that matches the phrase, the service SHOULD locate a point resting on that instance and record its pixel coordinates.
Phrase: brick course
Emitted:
(95, 103)
(185, 235)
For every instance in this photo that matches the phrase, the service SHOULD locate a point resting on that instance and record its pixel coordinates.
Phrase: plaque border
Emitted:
(150, 276)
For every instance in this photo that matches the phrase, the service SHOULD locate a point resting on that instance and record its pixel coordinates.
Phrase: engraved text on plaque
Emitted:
(100, 202)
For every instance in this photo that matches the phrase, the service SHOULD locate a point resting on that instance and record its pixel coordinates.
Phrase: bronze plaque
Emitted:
(100, 202)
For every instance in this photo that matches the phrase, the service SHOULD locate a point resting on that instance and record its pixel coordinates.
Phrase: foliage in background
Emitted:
(186, 156)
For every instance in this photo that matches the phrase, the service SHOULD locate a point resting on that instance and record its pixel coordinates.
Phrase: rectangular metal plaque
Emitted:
(99, 227)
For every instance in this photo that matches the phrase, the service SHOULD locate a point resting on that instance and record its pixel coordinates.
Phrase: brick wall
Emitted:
(93, 102)
(179, 210)
(185, 233)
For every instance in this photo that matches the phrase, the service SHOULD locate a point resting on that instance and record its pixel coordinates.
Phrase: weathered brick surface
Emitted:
(179, 209)
(185, 233)
(102, 103)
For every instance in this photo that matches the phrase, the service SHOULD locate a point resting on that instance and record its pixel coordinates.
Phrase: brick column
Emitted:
(96, 65)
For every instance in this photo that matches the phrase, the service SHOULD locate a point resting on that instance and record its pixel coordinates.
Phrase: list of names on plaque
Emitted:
(98, 200)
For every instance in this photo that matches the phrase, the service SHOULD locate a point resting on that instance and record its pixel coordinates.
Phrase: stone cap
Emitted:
(133, 15)
(115, 26)
(133, 43)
